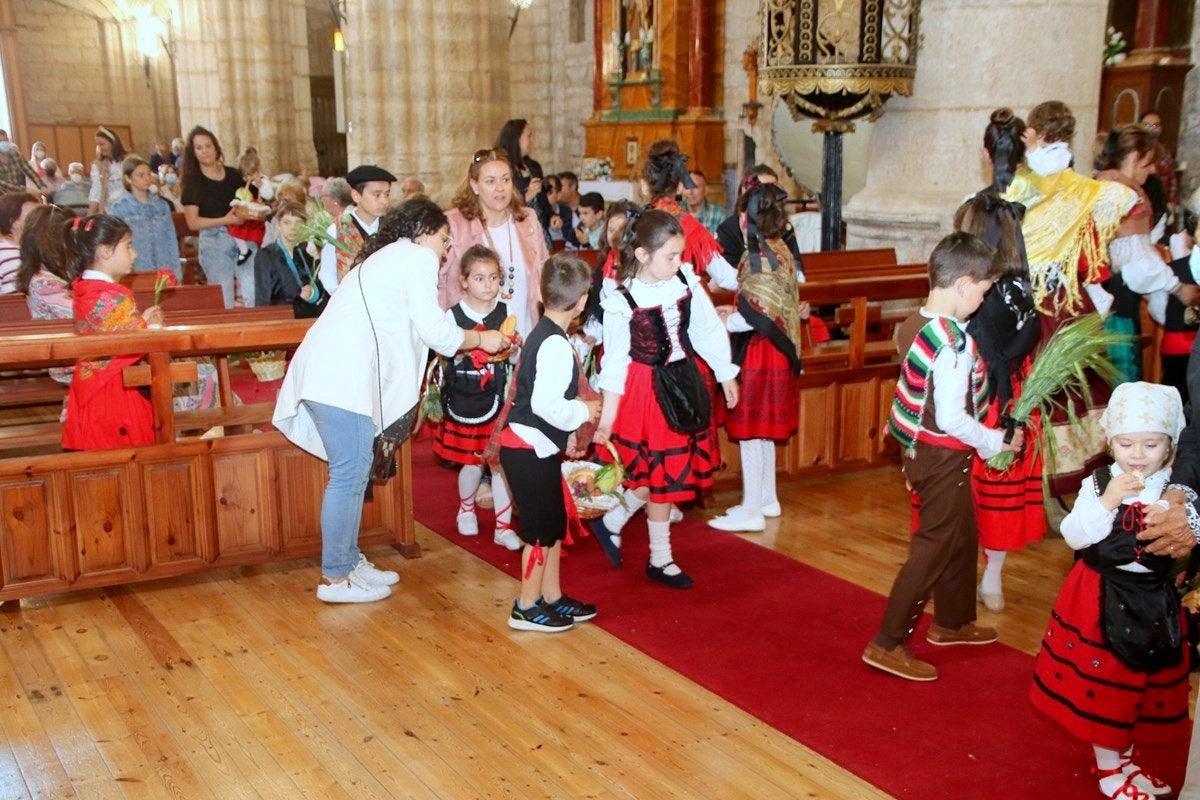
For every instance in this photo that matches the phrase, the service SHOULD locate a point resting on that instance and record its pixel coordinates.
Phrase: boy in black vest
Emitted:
(544, 414)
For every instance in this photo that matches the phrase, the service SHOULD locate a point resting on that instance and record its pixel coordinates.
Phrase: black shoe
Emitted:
(575, 609)
(657, 574)
(541, 618)
(605, 537)
(243, 257)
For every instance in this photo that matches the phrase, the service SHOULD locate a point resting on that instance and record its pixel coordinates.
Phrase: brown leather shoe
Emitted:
(899, 661)
(967, 634)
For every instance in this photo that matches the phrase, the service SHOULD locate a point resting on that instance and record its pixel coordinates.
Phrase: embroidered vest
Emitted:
(913, 389)
(351, 234)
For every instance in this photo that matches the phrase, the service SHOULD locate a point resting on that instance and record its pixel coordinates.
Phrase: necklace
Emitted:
(508, 283)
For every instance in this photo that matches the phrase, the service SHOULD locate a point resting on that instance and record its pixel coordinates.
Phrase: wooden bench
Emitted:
(93, 519)
(831, 262)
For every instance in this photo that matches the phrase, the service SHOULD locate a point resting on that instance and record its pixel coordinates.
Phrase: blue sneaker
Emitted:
(605, 537)
(542, 618)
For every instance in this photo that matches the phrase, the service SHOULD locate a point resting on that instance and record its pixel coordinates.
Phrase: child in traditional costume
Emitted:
(936, 417)
(370, 189)
(102, 414)
(656, 409)
(473, 393)
(1113, 659)
(766, 345)
(1008, 503)
(538, 429)
(248, 234)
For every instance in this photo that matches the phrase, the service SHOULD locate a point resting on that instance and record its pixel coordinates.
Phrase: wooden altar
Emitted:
(657, 77)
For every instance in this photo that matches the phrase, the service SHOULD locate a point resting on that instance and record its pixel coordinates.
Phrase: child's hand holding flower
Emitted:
(153, 317)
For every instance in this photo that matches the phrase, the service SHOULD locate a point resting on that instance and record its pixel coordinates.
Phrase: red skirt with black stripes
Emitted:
(769, 405)
(460, 443)
(1009, 511)
(676, 467)
(1080, 684)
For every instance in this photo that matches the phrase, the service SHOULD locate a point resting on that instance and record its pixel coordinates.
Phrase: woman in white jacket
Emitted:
(359, 369)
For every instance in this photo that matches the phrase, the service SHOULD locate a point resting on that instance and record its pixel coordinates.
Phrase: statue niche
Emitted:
(637, 38)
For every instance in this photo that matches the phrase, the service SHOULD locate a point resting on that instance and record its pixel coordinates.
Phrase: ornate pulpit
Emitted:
(657, 69)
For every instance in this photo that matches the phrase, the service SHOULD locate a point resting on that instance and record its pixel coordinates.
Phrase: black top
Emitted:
(1122, 546)
(733, 243)
(276, 285)
(212, 198)
(1175, 319)
(471, 394)
(522, 409)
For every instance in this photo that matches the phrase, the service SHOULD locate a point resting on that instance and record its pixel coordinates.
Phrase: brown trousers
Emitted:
(942, 556)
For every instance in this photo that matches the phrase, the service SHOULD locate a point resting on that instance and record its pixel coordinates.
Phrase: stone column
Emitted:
(427, 84)
(242, 71)
(926, 150)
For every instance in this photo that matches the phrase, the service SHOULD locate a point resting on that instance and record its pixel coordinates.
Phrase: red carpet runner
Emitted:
(783, 641)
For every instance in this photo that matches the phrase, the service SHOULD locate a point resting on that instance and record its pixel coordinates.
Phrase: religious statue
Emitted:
(637, 25)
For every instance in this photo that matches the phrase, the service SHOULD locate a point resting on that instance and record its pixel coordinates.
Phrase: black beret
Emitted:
(367, 173)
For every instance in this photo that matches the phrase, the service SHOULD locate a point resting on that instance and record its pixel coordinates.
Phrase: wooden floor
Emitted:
(239, 684)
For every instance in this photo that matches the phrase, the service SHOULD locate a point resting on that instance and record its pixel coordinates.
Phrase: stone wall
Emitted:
(427, 83)
(925, 151)
(79, 69)
(552, 81)
(243, 72)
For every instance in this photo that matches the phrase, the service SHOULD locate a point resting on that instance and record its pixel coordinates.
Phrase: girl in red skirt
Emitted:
(1113, 658)
(472, 395)
(656, 409)
(766, 344)
(102, 414)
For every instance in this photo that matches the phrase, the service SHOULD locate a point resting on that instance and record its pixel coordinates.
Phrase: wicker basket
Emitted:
(595, 507)
(268, 369)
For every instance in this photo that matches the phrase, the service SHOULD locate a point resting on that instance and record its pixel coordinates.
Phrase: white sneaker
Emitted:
(676, 515)
(468, 524)
(351, 590)
(740, 522)
(506, 538)
(772, 510)
(372, 575)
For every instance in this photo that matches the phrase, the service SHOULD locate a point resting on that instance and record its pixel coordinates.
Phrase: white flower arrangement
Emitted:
(597, 169)
(1114, 47)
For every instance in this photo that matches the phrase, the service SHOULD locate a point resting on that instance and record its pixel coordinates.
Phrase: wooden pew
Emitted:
(832, 262)
(847, 385)
(93, 519)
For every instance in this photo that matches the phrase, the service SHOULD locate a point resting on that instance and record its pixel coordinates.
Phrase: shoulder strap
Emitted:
(624, 291)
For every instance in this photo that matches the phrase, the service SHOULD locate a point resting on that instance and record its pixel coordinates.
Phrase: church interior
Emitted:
(159, 635)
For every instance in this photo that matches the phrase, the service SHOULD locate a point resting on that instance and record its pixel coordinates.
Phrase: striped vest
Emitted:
(913, 387)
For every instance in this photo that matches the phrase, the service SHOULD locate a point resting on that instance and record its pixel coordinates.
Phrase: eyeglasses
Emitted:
(1152, 125)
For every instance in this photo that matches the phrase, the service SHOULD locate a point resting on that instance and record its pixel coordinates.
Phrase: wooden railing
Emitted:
(75, 520)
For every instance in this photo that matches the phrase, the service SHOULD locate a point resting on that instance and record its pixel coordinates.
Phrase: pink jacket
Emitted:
(465, 233)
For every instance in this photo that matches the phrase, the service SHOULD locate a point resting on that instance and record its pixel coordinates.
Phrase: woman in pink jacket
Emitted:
(488, 211)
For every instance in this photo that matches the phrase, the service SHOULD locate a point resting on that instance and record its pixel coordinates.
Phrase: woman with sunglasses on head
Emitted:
(359, 370)
(487, 210)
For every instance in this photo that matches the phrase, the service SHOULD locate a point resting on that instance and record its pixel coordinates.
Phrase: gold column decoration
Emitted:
(835, 61)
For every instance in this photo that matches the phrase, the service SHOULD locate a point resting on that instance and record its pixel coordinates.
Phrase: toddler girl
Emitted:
(1113, 654)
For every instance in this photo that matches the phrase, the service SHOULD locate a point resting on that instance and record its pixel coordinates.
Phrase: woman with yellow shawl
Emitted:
(1069, 221)
(766, 345)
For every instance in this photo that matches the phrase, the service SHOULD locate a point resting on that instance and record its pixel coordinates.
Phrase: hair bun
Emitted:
(1002, 116)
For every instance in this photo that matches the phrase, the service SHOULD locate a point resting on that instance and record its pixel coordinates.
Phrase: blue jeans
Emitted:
(218, 257)
(349, 442)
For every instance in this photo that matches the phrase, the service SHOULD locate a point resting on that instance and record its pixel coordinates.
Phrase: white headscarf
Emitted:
(1144, 408)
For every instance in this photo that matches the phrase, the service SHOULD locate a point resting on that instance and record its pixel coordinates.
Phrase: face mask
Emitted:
(1049, 159)
(6, 147)
(171, 178)
(76, 178)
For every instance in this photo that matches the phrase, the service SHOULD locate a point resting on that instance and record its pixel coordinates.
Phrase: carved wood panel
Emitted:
(103, 505)
(30, 548)
(176, 524)
(300, 478)
(243, 517)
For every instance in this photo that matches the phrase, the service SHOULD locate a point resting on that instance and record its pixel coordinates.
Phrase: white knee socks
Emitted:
(468, 482)
(1108, 760)
(660, 547)
(767, 494)
(991, 571)
(752, 476)
(615, 520)
(501, 500)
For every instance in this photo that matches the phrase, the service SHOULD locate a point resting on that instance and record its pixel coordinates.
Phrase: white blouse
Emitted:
(336, 363)
(706, 331)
